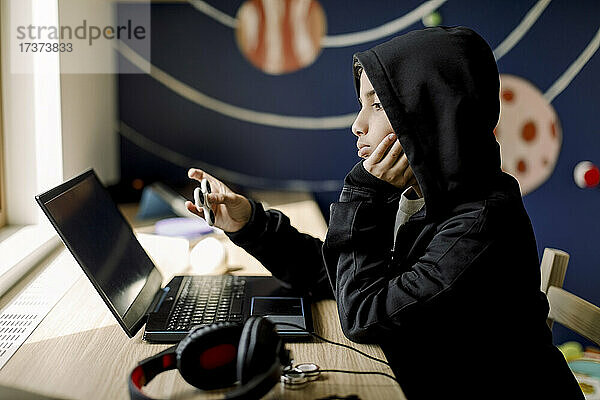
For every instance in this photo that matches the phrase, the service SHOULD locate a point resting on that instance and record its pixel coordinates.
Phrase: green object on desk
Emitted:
(571, 350)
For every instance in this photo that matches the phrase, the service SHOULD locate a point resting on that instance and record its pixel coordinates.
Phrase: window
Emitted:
(2, 201)
(31, 145)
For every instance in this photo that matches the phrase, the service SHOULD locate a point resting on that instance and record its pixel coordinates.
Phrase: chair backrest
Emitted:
(565, 308)
(554, 268)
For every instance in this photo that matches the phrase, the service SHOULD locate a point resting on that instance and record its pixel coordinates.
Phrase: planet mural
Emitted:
(528, 132)
(280, 36)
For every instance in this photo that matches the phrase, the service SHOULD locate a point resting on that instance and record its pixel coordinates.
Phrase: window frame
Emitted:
(2, 198)
(31, 145)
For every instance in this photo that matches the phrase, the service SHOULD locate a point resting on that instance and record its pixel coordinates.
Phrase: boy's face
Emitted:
(371, 124)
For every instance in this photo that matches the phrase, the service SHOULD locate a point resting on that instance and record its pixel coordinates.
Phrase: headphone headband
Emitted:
(147, 369)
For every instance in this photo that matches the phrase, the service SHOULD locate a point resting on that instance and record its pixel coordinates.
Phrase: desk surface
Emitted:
(80, 352)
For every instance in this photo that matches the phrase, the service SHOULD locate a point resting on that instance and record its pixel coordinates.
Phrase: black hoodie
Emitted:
(440, 88)
(456, 306)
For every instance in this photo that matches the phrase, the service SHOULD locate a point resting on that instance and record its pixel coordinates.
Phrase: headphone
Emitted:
(252, 357)
(219, 355)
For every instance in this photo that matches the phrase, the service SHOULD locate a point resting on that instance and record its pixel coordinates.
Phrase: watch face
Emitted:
(310, 370)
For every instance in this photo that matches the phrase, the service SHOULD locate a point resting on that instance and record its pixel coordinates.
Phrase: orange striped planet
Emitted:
(280, 36)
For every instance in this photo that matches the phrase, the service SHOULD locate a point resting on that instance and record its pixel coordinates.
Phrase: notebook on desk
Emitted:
(96, 233)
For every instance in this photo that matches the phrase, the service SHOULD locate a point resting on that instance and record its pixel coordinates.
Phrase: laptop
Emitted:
(96, 233)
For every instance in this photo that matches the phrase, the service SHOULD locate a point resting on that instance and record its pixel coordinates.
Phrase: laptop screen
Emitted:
(103, 243)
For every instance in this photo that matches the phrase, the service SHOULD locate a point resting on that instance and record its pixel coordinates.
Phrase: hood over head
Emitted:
(439, 87)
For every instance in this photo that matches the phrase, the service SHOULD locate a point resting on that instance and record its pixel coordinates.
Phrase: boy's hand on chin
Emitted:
(389, 163)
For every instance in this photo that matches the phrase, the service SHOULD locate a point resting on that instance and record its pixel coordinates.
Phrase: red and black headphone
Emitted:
(218, 356)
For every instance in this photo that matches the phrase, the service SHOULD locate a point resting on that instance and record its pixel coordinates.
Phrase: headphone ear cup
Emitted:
(258, 348)
(206, 358)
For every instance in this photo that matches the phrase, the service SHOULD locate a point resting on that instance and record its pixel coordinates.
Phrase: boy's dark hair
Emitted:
(357, 69)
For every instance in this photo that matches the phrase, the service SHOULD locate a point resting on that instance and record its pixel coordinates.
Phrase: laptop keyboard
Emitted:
(208, 299)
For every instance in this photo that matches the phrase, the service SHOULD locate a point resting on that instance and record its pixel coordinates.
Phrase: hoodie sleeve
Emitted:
(295, 258)
(373, 295)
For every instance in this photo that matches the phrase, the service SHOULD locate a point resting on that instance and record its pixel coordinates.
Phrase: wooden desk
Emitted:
(80, 352)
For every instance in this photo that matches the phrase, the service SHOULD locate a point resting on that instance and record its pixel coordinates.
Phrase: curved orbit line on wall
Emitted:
(387, 29)
(296, 122)
(329, 185)
(214, 13)
(243, 114)
(565, 79)
(167, 154)
(312, 123)
(293, 122)
(345, 39)
(517, 34)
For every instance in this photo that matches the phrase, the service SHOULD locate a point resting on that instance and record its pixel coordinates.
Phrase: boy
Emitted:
(447, 285)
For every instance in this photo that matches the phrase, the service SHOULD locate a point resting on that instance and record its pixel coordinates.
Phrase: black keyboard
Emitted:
(207, 299)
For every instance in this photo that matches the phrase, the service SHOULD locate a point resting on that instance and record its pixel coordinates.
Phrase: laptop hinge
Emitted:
(158, 300)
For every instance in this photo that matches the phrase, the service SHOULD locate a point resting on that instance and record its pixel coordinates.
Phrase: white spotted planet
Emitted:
(528, 132)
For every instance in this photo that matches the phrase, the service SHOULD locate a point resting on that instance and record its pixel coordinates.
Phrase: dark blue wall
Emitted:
(202, 53)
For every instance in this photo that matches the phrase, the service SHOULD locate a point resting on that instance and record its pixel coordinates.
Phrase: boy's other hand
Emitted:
(232, 211)
(389, 163)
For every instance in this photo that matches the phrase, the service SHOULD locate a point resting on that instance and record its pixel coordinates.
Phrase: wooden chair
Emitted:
(567, 309)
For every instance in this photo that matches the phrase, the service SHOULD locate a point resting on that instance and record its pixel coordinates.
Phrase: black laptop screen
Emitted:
(101, 240)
